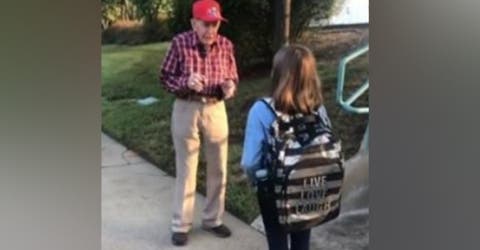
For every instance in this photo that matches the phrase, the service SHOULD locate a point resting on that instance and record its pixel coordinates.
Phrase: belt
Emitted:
(200, 98)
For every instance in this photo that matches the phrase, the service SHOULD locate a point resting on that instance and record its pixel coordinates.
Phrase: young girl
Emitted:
(296, 89)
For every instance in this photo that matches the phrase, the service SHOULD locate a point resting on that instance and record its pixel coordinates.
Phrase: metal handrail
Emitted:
(347, 104)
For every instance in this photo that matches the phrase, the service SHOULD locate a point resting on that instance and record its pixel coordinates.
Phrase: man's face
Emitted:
(207, 31)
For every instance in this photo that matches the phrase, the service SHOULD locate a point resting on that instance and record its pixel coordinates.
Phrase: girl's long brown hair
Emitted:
(296, 84)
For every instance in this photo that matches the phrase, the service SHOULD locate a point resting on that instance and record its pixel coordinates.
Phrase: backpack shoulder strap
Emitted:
(270, 104)
(322, 113)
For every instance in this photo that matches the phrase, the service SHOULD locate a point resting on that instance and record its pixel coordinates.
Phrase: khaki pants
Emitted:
(190, 120)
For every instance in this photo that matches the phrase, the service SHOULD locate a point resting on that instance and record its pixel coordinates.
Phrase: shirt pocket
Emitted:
(224, 63)
(189, 63)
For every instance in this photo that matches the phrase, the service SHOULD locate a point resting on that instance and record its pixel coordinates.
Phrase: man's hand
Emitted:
(229, 88)
(195, 82)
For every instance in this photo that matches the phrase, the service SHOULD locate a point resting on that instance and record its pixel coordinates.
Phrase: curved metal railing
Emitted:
(347, 103)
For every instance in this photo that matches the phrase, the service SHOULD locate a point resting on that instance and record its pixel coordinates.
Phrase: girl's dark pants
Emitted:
(276, 237)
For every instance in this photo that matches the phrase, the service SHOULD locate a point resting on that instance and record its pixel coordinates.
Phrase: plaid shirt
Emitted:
(184, 57)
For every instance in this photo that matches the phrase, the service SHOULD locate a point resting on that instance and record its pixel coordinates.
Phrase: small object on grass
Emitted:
(147, 101)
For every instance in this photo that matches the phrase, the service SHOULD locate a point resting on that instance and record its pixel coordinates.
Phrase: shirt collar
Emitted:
(195, 41)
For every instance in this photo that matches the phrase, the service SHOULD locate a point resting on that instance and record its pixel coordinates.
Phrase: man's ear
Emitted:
(193, 23)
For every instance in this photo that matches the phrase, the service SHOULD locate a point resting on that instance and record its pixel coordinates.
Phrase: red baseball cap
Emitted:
(207, 10)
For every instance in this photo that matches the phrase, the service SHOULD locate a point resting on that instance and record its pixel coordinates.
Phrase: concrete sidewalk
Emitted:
(136, 208)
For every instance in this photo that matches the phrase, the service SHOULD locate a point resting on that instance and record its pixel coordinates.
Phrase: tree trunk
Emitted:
(286, 21)
(281, 24)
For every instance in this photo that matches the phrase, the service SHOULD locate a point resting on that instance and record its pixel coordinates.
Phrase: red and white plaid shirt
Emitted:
(184, 57)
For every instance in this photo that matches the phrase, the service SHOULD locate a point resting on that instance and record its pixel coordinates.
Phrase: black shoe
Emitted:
(221, 231)
(179, 239)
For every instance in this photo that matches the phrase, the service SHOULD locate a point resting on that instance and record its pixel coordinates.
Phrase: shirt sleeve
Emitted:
(171, 76)
(232, 64)
(254, 140)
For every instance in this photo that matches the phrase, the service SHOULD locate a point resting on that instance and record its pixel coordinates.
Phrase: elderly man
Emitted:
(200, 71)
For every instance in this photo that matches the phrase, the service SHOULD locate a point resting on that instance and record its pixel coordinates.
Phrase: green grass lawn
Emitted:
(130, 72)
